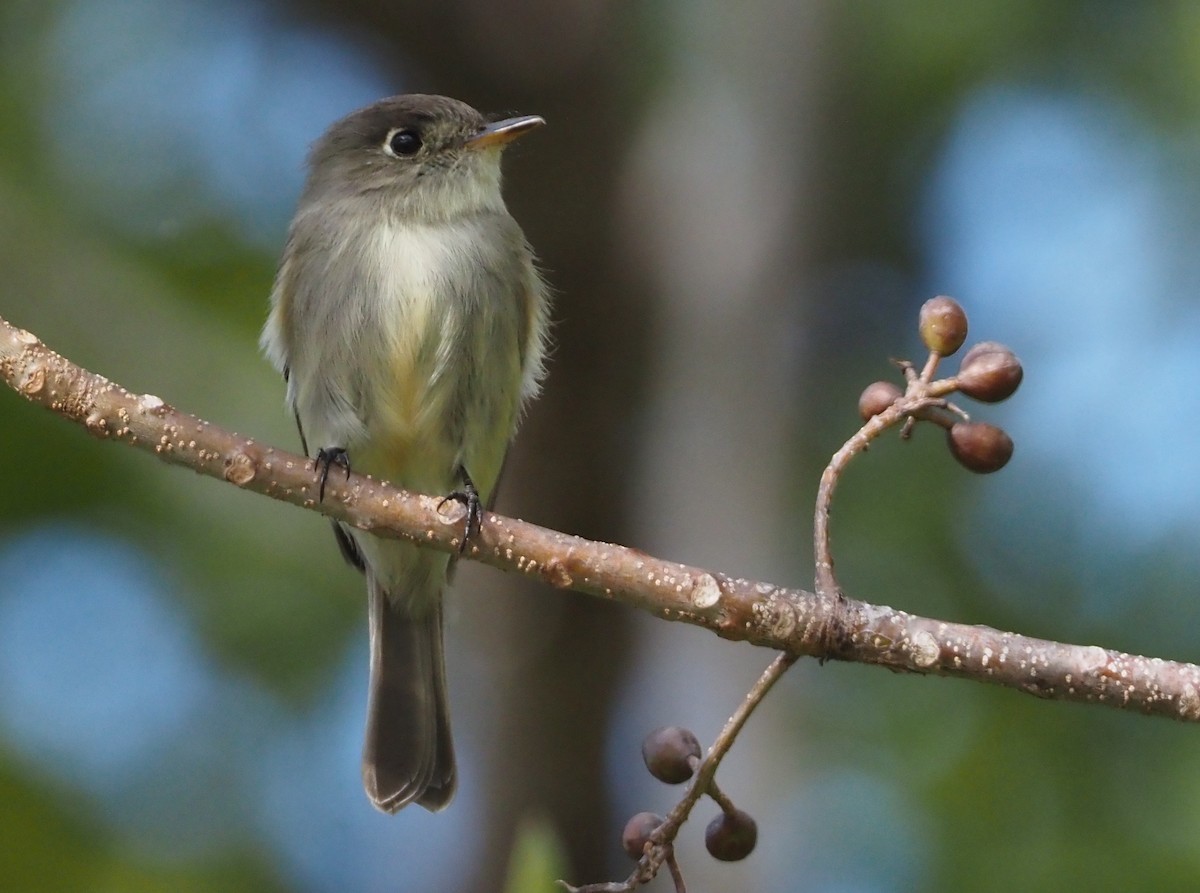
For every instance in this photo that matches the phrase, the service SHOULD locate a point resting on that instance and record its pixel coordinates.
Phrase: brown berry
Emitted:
(980, 447)
(943, 325)
(637, 833)
(666, 752)
(876, 397)
(990, 372)
(731, 836)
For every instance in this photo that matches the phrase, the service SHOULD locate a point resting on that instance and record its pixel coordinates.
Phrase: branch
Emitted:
(791, 620)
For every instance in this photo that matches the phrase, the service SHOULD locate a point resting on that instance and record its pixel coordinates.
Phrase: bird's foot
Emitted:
(469, 497)
(327, 457)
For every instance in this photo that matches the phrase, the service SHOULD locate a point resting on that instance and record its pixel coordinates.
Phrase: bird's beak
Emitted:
(503, 132)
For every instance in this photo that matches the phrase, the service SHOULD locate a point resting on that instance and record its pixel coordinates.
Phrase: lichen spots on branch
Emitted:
(706, 592)
(1189, 703)
(775, 617)
(923, 647)
(239, 469)
(528, 565)
(556, 574)
(1095, 659)
(96, 423)
(26, 337)
(34, 382)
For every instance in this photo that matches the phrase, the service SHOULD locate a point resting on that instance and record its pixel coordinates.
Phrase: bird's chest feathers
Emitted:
(417, 273)
(431, 332)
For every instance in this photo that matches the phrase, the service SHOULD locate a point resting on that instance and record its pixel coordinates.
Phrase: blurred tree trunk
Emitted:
(724, 200)
(559, 664)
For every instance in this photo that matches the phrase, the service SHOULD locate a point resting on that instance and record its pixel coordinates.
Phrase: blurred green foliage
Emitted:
(538, 860)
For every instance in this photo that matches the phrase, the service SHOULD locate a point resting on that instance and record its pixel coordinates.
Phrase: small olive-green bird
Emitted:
(409, 322)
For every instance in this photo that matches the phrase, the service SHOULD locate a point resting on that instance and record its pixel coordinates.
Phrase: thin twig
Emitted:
(703, 779)
(676, 874)
(924, 398)
(719, 797)
(661, 847)
(826, 580)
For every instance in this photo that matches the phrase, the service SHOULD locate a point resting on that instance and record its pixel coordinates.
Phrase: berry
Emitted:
(990, 372)
(979, 447)
(637, 833)
(877, 397)
(731, 836)
(666, 752)
(943, 325)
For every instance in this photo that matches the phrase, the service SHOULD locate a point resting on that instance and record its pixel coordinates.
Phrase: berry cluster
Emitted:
(672, 754)
(989, 372)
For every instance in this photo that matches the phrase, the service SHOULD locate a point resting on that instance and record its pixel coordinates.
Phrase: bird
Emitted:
(410, 322)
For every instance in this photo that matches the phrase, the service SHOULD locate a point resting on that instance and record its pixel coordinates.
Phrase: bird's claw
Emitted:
(468, 496)
(326, 457)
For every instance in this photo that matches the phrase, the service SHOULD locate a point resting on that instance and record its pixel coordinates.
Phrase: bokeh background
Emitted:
(741, 207)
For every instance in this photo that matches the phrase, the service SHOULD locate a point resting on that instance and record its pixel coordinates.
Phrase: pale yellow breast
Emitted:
(405, 384)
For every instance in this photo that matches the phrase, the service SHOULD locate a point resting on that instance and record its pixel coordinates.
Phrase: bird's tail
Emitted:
(408, 755)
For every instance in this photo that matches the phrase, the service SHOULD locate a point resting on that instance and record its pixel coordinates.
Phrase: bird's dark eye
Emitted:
(405, 142)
